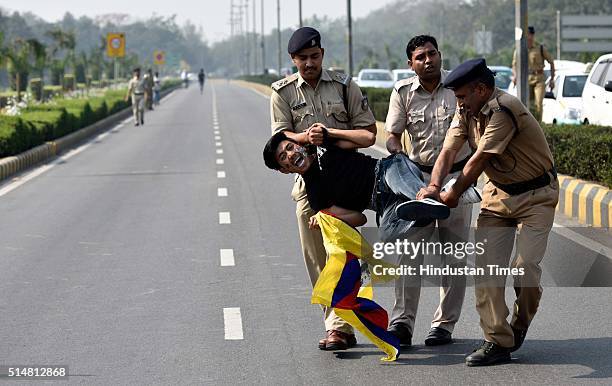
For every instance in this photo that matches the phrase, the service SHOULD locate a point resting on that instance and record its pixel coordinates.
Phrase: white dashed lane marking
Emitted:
(224, 218)
(232, 320)
(227, 257)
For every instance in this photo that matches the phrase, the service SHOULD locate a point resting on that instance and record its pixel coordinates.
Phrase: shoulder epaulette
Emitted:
(404, 82)
(276, 86)
(340, 77)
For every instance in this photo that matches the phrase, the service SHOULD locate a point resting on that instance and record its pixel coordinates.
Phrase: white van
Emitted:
(597, 94)
(563, 105)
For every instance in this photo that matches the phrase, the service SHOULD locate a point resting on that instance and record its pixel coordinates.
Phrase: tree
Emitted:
(62, 53)
(20, 56)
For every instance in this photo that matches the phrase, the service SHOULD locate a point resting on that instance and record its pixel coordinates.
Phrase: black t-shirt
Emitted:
(344, 178)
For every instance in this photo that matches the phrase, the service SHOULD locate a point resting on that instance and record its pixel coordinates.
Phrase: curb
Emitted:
(588, 203)
(12, 165)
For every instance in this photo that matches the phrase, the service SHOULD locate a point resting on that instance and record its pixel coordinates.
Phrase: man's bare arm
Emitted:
(394, 143)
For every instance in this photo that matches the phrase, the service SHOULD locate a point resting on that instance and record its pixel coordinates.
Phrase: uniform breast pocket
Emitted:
(416, 122)
(303, 118)
(339, 114)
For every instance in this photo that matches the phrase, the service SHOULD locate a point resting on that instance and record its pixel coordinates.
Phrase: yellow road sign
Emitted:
(159, 57)
(115, 44)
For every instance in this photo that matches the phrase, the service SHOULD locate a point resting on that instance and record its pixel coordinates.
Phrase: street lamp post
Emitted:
(350, 37)
(278, 35)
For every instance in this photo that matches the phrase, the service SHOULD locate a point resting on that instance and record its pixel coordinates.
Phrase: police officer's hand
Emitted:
(450, 199)
(429, 191)
(551, 84)
(313, 223)
(316, 134)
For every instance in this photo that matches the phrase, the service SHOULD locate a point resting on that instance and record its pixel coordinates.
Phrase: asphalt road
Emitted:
(111, 263)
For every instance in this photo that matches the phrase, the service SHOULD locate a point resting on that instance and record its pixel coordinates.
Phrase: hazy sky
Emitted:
(213, 16)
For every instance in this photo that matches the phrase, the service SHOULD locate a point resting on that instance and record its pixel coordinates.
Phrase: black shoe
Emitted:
(488, 354)
(519, 338)
(142, 121)
(402, 333)
(425, 209)
(438, 336)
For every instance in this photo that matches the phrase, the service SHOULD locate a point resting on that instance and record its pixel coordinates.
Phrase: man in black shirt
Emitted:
(345, 182)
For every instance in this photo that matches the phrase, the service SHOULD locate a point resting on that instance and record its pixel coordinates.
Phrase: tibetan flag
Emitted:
(340, 285)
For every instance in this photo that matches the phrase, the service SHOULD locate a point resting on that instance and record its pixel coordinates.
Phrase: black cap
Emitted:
(305, 37)
(530, 29)
(466, 72)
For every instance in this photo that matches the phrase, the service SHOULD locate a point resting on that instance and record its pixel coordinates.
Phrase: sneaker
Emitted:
(426, 208)
(470, 196)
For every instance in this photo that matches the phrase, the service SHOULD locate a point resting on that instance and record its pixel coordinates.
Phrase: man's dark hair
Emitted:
(269, 152)
(488, 79)
(419, 41)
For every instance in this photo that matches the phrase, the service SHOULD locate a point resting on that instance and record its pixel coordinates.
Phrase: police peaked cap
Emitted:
(466, 72)
(305, 37)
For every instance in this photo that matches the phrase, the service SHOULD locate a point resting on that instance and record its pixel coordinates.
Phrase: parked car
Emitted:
(597, 93)
(400, 74)
(503, 76)
(371, 77)
(563, 105)
(560, 66)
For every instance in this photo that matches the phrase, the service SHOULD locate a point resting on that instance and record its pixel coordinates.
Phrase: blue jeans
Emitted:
(398, 180)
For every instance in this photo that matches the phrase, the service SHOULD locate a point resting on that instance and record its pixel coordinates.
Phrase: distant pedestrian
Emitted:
(536, 55)
(156, 88)
(148, 81)
(136, 89)
(201, 79)
(185, 78)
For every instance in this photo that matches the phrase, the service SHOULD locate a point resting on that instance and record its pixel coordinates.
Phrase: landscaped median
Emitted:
(43, 131)
(585, 151)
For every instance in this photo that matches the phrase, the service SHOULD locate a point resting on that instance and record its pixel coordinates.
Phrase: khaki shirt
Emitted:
(518, 156)
(136, 86)
(425, 116)
(535, 60)
(295, 105)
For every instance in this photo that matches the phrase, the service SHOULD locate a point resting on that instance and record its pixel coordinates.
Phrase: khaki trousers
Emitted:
(456, 228)
(536, 95)
(138, 107)
(526, 218)
(314, 252)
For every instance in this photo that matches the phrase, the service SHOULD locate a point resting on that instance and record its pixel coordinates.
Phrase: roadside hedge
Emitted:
(45, 122)
(266, 79)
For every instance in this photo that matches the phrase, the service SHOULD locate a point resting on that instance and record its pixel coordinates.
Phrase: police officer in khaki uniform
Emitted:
(423, 108)
(299, 105)
(536, 54)
(520, 195)
(136, 90)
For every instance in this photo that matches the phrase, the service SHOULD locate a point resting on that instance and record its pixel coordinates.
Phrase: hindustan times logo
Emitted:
(412, 249)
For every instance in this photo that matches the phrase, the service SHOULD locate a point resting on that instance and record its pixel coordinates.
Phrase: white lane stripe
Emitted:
(224, 218)
(221, 174)
(218, 144)
(582, 240)
(232, 320)
(227, 257)
(221, 192)
(219, 161)
(216, 132)
(219, 151)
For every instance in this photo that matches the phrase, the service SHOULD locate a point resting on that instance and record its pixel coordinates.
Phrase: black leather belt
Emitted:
(525, 186)
(456, 167)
